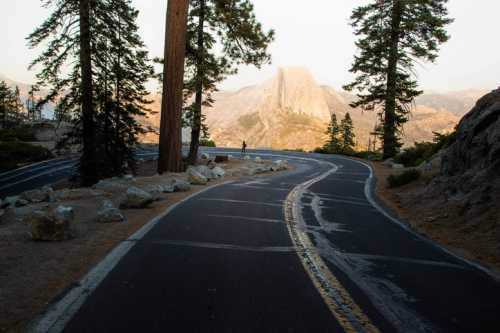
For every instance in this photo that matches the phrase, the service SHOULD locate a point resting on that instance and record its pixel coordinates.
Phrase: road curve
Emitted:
(231, 259)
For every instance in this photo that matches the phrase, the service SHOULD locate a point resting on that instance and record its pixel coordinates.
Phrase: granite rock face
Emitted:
(477, 146)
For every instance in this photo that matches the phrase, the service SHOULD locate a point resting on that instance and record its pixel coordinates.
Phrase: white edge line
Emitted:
(48, 172)
(30, 166)
(55, 318)
(369, 189)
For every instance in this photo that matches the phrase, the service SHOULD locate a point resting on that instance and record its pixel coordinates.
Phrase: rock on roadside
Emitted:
(218, 172)
(108, 213)
(136, 198)
(46, 226)
(195, 177)
(279, 165)
(181, 185)
(38, 195)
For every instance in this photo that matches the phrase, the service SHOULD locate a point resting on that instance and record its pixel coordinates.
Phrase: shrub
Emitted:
(404, 178)
(207, 143)
(20, 133)
(321, 150)
(423, 151)
(14, 154)
(368, 155)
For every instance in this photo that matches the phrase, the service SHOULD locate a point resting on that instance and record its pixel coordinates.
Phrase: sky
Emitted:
(314, 34)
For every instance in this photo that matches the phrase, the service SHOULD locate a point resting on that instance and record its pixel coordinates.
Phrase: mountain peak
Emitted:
(295, 90)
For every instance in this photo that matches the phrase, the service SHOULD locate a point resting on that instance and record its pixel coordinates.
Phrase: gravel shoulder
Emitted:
(469, 230)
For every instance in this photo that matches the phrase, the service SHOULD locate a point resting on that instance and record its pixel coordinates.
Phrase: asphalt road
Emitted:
(227, 260)
(44, 173)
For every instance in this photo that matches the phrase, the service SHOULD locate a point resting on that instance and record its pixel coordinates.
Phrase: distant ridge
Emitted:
(291, 110)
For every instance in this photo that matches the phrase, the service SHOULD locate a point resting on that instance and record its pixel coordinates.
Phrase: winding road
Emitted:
(308, 250)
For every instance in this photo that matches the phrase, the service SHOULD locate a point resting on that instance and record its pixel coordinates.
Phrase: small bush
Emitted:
(207, 143)
(423, 151)
(404, 178)
(14, 154)
(368, 155)
(20, 133)
(321, 150)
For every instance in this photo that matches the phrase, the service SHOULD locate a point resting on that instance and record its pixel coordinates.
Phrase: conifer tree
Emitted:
(67, 36)
(33, 108)
(16, 106)
(393, 36)
(348, 136)
(232, 25)
(102, 88)
(334, 144)
(122, 70)
(6, 97)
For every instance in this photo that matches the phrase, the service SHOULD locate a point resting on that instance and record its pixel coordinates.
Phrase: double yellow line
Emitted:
(345, 310)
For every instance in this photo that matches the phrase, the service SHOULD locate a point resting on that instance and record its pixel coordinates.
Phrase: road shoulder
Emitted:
(431, 216)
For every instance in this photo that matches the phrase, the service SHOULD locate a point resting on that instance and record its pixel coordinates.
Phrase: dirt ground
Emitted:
(471, 230)
(33, 273)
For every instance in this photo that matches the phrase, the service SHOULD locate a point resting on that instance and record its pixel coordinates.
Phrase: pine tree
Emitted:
(393, 36)
(33, 108)
(334, 144)
(211, 24)
(122, 70)
(5, 104)
(96, 41)
(348, 136)
(11, 108)
(17, 105)
(67, 35)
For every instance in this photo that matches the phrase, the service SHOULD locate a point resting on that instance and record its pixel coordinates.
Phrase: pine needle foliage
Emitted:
(394, 36)
(120, 69)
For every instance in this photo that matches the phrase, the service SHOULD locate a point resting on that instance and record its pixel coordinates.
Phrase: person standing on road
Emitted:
(244, 147)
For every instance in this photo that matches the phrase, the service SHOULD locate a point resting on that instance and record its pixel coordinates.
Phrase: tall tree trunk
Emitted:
(88, 161)
(196, 121)
(118, 150)
(170, 154)
(390, 135)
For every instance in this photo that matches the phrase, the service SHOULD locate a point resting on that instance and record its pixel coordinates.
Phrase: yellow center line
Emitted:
(345, 310)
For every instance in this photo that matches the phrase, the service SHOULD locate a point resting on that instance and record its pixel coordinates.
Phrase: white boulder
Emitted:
(75, 194)
(112, 185)
(11, 201)
(218, 172)
(64, 214)
(279, 165)
(38, 195)
(398, 166)
(195, 177)
(44, 226)
(136, 198)
(206, 171)
(205, 156)
(181, 185)
(108, 213)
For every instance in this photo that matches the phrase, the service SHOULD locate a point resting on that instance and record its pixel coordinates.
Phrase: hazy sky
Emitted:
(313, 34)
